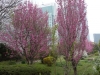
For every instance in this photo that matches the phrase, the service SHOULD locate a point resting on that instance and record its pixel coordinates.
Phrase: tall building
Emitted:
(88, 37)
(51, 9)
(96, 38)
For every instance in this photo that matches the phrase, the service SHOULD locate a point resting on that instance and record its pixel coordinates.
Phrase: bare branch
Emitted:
(6, 8)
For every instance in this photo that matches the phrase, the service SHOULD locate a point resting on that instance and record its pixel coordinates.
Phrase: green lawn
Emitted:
(85, 67)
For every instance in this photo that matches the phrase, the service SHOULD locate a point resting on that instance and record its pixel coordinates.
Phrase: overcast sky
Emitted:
(93, 14)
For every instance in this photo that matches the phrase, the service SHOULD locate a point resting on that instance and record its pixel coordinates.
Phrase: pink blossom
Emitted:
(28, 32)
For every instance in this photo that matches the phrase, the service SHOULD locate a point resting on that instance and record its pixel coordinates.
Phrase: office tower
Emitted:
(51, 9)
(96, 38)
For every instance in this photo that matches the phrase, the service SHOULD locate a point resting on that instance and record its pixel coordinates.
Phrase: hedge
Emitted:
(24, 70)
(49, 60)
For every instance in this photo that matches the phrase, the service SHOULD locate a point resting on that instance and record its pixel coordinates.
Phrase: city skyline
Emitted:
(51, 13)
(93, 14)
(96, 38)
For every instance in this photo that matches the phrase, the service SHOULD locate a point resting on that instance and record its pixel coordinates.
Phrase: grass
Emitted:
(85, 67)
(56, 70)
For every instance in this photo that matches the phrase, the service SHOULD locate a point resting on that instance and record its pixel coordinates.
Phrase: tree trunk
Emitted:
(41, 60)
(31, 61)
(28, 62)
(74, 67)
(75, 70)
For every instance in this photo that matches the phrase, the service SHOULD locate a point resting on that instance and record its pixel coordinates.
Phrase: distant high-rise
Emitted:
(96, 38)
(88, 37)
(51, 9)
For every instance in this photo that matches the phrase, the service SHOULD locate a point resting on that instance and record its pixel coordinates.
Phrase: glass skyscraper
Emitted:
(96, 38)
(51, 12)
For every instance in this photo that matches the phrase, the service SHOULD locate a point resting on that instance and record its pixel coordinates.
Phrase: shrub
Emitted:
(96, 54)
(54, 54)
(6, 53)
(49, 60)
(97, 66)
(24, 70)
(8, 63)
(79, 64)
(11, 63)
(3, 49)
(82, 58)
(60, 64)
(23, 62)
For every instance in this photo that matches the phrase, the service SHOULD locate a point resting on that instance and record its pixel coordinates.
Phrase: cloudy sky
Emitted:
(93, 14)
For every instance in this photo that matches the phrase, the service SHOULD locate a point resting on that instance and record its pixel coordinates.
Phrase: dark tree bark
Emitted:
(74, 67)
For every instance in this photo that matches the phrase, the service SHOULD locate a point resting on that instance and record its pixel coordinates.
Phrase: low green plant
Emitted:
(23, 62)
(96, 54)
(24, 69)
(11, 63)
(8, 63)
(49, 60)
(79, 64)
(97, 66)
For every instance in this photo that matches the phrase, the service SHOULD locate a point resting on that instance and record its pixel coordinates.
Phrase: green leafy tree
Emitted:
(54, 41)
(96, 47)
